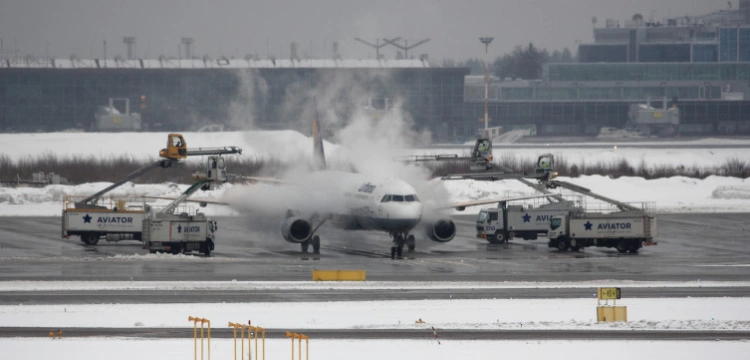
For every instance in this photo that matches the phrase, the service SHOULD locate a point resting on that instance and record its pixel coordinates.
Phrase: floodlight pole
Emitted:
(130, 42)
(188, 45)
(486, 41)
(377, 45)
(406, 47)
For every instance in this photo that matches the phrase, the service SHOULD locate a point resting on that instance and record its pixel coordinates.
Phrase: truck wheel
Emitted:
(500, 237)
(622, 246)
(207, 247)
(574, 246)
(562, 245)
(411, 242)
(176, 249)
(316, 244)
(634, 247)
(90, 239)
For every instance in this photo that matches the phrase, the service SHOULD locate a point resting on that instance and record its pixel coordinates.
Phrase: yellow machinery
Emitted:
(177, 149)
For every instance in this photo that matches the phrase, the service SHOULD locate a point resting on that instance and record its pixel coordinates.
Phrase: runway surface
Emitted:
(692, 247)
(396, 334)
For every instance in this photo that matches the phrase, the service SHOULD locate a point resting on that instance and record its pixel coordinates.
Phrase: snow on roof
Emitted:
(222, 63)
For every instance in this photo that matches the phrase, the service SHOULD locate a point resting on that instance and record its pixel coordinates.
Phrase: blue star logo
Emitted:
(588, 225)
(87, 219)
(179, 228)
(526, 218)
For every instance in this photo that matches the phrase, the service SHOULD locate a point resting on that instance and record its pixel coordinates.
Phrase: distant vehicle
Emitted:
(648, 120)
(108, 118)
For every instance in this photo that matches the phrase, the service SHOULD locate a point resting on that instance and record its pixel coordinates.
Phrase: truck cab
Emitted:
(489, 220)
(481, 155)
(176, 148)
(502, 223)
(558, 226)
(545, 167)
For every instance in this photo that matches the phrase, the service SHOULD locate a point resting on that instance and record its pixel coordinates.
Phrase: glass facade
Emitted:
(664, 53)
(728, 44)
(581, 91)
(648, 72)
(705, 53)
(744, 40)
(184, 99)
(587, 117)
(603, 53)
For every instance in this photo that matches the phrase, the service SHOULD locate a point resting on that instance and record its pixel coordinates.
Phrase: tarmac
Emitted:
(691, 248)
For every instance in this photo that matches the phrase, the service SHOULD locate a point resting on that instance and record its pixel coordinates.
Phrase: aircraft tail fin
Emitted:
(319, 156)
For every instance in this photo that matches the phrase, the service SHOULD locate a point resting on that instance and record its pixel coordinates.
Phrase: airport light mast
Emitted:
(486, 41)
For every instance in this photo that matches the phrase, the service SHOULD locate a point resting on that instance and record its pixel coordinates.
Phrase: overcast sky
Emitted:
(61, 28)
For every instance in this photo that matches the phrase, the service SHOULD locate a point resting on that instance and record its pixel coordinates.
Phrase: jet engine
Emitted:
(442, 230)
(296, 230)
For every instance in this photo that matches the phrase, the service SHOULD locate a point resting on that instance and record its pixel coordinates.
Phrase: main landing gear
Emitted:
(314, 241)
(399, 240)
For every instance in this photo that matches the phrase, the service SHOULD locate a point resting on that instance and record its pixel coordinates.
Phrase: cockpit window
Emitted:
(400, 198)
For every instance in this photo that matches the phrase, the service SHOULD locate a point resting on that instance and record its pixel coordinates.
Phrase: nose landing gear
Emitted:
(399, 240)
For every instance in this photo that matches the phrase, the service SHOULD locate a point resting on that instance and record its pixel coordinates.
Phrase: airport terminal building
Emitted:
(701, 65)
(182, 95)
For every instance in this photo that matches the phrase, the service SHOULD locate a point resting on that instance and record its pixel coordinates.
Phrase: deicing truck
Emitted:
(115, 223)
(180, 233)
(165, 231)
(628, 229)
(625, 231)
(504, 223)
(91, 220)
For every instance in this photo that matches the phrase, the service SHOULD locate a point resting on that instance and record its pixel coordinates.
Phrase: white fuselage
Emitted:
(360, 202)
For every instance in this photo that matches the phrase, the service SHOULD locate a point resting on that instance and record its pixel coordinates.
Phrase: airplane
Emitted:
(360, 202)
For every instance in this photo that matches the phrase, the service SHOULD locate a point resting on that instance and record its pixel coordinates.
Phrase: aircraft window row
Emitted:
(400, 198)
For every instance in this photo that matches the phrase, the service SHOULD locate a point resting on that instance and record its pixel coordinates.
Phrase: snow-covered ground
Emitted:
(714, 194)
(719, 314)
(705, 314)
(128, 349)
(673, 195)
(678, 194)
(282, 144)
(289, 145)
(450, 313)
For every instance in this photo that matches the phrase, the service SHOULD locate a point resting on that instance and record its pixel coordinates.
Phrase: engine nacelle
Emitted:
(296, 230)
(442, 230)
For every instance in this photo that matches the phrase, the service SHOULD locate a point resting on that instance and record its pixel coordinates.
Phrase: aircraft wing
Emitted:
(259, 179)
(195, 200)
(484, 176)
(438, 157)
(463, 205)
